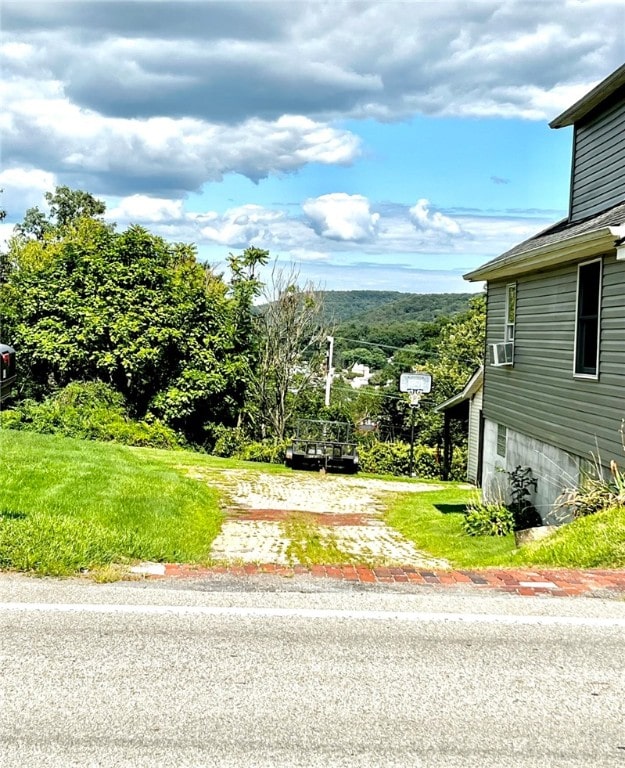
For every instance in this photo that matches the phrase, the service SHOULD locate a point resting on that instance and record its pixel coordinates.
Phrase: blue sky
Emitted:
(377, 145)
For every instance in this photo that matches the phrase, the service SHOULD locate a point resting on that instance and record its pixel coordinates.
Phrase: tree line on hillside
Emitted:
(185, 347)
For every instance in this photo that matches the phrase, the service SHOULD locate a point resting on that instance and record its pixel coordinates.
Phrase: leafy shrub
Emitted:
(487, 519)
(232, 442)
(458, 469)
(269, 452)
(90, 411)
(228, 441)
(522, 484)
(394, 459)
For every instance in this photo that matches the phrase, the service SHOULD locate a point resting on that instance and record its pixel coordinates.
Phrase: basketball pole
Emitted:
(415, 396)
(412, 410)
(330, 340)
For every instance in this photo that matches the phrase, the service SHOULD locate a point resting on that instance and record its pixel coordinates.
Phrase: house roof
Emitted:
(471, 387)
(564, 241)
(592, 99)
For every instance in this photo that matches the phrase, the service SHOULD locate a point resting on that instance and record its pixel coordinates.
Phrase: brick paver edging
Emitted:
(559, 583)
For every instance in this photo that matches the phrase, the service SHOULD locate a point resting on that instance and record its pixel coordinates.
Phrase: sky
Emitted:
(368, 145)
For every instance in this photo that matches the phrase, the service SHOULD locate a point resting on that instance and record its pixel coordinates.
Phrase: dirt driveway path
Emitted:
(304, 517)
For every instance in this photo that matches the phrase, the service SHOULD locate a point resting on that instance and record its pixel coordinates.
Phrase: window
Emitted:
(502, 435)
(588, 319)
(510, 311)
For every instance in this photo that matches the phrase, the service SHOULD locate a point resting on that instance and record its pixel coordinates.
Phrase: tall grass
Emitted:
(595, 541)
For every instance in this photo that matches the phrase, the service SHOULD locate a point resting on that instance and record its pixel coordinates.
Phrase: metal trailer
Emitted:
(8, 372)
(323, 445)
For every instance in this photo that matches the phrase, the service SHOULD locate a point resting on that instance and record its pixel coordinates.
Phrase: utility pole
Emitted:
(330, 369)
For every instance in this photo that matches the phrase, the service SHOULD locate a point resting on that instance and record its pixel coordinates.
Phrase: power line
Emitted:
(371, 343)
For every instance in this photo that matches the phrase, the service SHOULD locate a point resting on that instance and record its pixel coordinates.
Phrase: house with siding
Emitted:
(465, 407)
(554, 377)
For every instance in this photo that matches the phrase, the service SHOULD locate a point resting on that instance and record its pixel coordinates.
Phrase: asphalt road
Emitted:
(190, 675)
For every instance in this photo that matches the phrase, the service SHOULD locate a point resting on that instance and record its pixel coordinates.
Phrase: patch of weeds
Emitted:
(108, 574)
(309, 545)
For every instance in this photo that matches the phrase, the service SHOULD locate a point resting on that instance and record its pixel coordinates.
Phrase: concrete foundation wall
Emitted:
(554, 469)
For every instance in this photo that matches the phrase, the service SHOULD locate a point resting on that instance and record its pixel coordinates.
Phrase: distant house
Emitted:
(554, 380)
(465, 407)
(361, 375)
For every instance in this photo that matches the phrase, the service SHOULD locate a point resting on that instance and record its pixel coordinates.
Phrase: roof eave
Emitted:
(573, 248)
(470, 388)
(591, 100)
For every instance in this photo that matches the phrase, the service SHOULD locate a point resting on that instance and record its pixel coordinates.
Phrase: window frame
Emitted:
(579, 373)
(509, 329)
(502, 441)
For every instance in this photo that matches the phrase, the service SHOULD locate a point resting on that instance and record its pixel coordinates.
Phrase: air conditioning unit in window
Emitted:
(502, 353)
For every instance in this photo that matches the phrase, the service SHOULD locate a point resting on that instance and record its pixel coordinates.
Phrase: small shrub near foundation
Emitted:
(487, 519)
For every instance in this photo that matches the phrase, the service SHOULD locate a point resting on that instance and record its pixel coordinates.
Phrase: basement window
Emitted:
(588, 317)
(502, 439)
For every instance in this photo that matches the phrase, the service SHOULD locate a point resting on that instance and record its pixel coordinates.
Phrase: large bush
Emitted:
(394, 459)
(88, 410)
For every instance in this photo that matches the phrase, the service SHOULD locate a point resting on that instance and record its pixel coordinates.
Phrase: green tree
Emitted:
(87, 303)
(66, 207)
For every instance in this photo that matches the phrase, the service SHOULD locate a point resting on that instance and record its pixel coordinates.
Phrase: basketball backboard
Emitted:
(415, 382)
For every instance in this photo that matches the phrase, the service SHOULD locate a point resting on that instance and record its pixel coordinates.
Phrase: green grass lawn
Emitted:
(68, 505)
(433, 522)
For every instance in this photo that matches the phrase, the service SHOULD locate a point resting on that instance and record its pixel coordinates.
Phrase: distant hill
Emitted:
(383, 307)
(415, 307)
(340, 306)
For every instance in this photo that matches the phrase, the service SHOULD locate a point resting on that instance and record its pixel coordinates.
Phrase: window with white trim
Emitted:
(510, 312)
(587, 319)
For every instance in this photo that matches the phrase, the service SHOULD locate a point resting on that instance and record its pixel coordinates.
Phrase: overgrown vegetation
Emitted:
(308, 545)
(593, 541)
(596, 491)
(523, 485)
(88, 410)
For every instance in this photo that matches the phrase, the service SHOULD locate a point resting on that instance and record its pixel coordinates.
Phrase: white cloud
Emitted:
(305, 254)
(426, 221)
(338, 216)
(171, 96)
(162, 153)
(241, 226)
(146, 209)
(24, 188)
(343, 225)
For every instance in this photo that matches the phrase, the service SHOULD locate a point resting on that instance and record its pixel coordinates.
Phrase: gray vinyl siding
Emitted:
(539, 396)
(475, 412)
(598, 178)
